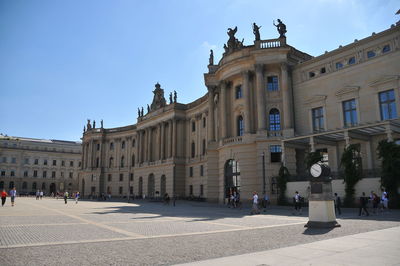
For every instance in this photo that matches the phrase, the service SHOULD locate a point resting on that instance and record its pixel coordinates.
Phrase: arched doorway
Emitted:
(53, 188)
(232, 177)
(163, 185)
(150, 186)
(83, 187)
(140, 186)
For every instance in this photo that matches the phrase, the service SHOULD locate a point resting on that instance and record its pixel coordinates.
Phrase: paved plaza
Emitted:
(49, 232)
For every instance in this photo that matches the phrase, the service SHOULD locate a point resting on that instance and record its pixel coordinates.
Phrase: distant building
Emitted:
(39, 164)
(265, 102)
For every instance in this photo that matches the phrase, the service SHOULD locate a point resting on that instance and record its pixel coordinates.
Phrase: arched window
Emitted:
(193, 149)
(24, 185)
(240, 126)
(274, 120)
(11, 185)
(110, 165)
(122, 161)
(123, 145)
(43, 185)
(133, 160)
(34, 186)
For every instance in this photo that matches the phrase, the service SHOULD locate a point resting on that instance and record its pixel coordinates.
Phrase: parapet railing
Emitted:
(272, 43)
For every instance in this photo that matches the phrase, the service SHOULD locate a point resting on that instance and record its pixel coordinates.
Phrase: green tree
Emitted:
(312, 158)
(281, 180)
(351, 162)
(389, 152)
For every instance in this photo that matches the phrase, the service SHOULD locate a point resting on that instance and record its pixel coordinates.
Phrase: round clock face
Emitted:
(316, 170)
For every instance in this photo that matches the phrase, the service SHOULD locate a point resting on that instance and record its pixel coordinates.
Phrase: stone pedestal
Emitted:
(321, 206)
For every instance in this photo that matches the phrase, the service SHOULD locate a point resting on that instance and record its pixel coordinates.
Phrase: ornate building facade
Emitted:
(39, 164)
(266, 104)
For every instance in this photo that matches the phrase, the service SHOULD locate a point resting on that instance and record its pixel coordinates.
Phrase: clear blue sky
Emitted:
(62, 62)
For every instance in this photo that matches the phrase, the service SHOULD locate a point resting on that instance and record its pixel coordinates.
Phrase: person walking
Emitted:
(65, 196)
(265, 201)
(363, 205)
(41, 194)
(37, 194)
(77, 194)
(384, 200)
(297, 203)
(3, 197)
(13, 194)
(255, 209)
(338, 203)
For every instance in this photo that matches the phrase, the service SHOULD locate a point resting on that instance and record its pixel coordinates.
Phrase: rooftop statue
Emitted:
(233, 43)
(88, 126)
(138, 112)
(158, 99)
(175, 97)
(170, 97)
(101, 123)
(211, 60)
(142, 112)
(256, 31)
(281, 28)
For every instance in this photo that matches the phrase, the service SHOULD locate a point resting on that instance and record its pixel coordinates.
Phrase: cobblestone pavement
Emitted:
(49, 232)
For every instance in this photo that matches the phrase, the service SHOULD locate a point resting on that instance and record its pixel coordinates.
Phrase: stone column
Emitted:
(210, 122)
(347, 138)
(138, 146)
(222, 114)
(261, 117)
(246, 92)
(312, 144)
(389, 133)
(286, 98)
(162, 151)
(159, 141)
(174, 133)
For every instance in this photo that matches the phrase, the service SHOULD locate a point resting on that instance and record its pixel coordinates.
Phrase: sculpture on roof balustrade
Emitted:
(281, 28)
(158, 99)
(233, 43)
(256, 31)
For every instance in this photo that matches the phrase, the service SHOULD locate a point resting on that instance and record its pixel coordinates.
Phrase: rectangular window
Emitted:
(13, 160)
(238, 94)
(12, 173)
(34, 173)
(109, 177)
(3, 173)
(193, 126)
(98, 146)
(44, 174)
(25, 173)
(201, 170)
(71, 163)
(191, 171)
(36, 161)
(121, 177)
(54, 162)
(62, 174)
(80, 163)
(370, 54)
(62, 163)
(26, 161)
(71, 175)
(131, 177)
(191, 190)
(45, 162)
(272, 83)
(318, 119)
(276, 152)
(111, 145)
(4, 159)
(387, 104)
(386, 48)
(339, 65)
(350, 113)
(53, 174)
(201, 190)
(120, 190)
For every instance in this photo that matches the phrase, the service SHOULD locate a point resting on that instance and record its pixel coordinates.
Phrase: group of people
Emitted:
(39, 194)
(12, 193)
(259, 203)
(376, 202)
(234, 199)
(75, 195)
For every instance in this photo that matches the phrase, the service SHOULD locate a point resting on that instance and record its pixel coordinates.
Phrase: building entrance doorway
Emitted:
(232, 177)
(150, 186)
(53, 188)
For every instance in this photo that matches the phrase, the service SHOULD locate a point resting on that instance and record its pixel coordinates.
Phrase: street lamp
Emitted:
(263, 168)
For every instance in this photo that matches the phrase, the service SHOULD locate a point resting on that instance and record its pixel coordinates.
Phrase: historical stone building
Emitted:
(266, 104)
(39, 164)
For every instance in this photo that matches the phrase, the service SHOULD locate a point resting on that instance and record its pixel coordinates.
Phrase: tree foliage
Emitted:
(389, 152)
(282, 179)
(351, 164)
(312, 158)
